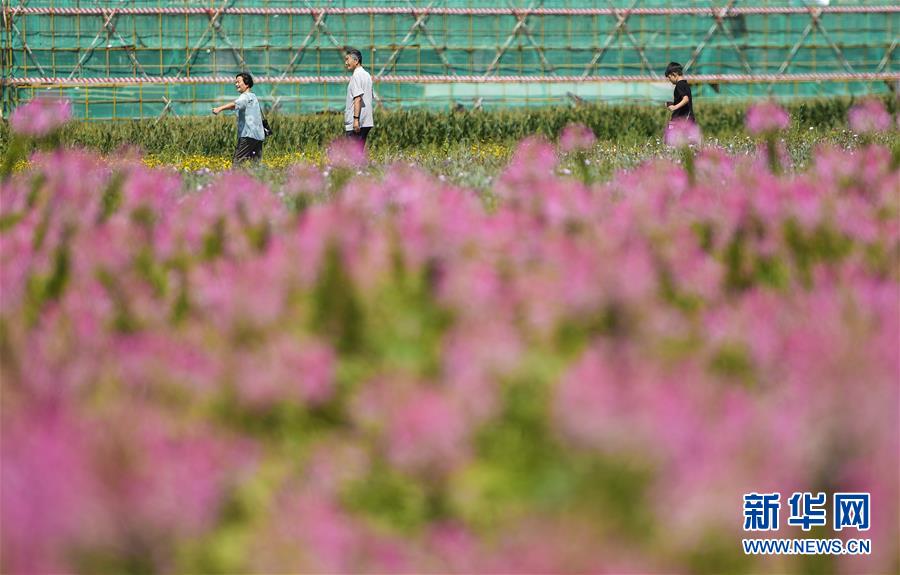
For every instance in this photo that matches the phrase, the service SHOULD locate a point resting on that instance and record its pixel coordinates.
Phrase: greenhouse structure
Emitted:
(152, 58)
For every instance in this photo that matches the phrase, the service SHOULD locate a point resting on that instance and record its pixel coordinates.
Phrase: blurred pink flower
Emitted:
(51, 501)
(589, 404)
(156, 191)
(244, 294)
(530, 170)
(772, 158)
(336, 462)
(767, 117)
(476, 283)
(40, 117)
(576, 137)
(868, 117)
(178, 481)
(475, 357)
(286, 370)
(305, 180)
(422, 429)
(454, 549)
(347, 153)
(681, 133)
(154, 362)
(426, 431)
(646, 325)
(309, 533)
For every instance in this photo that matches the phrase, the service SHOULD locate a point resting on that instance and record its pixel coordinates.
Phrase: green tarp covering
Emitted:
(76, 45)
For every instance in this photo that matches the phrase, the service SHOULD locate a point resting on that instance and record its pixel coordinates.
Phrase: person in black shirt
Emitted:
(682, 104)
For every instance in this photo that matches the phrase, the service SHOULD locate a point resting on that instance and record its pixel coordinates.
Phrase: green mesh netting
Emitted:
(77, 45)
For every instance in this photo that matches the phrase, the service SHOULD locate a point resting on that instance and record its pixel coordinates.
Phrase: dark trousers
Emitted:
(361, 135)
(248, 150)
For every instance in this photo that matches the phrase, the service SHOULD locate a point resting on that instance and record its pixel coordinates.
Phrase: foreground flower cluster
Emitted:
(357, 375)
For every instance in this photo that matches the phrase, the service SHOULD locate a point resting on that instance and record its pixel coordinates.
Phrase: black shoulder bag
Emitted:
(267, 130)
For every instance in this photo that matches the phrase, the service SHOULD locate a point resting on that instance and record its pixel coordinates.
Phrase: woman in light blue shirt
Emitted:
(249, 121)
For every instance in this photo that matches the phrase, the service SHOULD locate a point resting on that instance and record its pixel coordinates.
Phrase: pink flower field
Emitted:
(391, 374)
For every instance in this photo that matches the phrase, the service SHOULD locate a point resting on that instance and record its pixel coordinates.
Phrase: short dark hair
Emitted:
(355, 53)
(246, 77)
(674, 68)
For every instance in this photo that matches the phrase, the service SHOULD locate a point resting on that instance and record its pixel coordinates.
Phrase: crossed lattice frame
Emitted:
(420, 16)
(419, 29)
(318, 29)
(9, 22)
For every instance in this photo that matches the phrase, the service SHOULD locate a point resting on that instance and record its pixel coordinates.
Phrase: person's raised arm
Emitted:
(223, 107)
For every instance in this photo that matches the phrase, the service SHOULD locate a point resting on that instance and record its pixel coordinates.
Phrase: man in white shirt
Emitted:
(358, 117)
